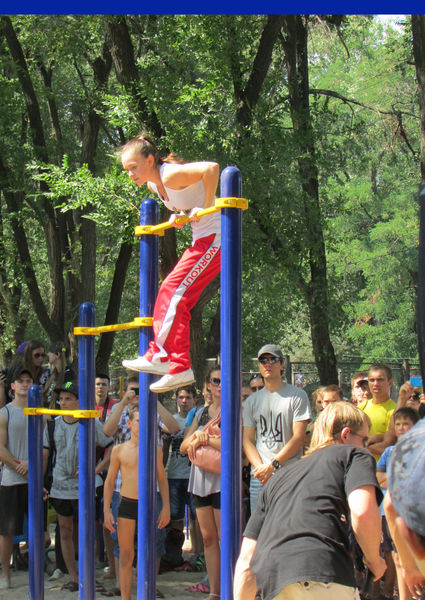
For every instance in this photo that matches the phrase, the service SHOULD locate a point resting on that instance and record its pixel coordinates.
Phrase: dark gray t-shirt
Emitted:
(302, 518)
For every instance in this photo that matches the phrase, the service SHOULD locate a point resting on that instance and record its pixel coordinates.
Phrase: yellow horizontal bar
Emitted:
(138, 322)
(220, 203)
(77, 414)
(241, 203)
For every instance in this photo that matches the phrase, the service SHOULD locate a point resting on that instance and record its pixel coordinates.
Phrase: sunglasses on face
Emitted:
(256, 388)
(268, 359)
(215, 380)
(135, 390)
(39, 355)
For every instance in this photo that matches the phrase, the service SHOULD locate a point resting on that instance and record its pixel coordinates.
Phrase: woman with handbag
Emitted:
(202, 444)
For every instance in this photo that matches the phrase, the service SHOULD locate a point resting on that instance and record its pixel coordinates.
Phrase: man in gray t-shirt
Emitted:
(14, 456)
(64, 490)
(274, 421)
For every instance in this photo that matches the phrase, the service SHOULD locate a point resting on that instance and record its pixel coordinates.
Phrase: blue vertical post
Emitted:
(146, 547)
(420, 301)
(35, 496)
(231, 294)
(86, 457)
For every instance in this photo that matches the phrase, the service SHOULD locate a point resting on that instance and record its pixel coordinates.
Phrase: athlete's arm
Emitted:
(183, 175)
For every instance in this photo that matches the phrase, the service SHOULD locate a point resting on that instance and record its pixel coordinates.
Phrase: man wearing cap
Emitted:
(405, 506)
(14, 456)
(274, 422)
(64, 490)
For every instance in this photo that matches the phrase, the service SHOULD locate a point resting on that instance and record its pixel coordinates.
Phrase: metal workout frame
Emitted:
(231, 276)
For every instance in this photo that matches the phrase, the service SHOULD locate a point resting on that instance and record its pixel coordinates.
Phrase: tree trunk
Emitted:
(101, 69)
(418, 33)
(54, 321)
(122, 51)
(13, 203)
(197, 344)
(296, 58)
(112, 312)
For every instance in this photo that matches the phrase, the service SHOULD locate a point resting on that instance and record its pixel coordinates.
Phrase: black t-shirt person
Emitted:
(302, 518)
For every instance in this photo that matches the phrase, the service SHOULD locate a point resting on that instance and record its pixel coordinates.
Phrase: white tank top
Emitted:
(186, 199)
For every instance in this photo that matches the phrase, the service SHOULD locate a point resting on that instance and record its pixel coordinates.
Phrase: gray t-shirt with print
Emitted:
(65, 479)
(272, 415)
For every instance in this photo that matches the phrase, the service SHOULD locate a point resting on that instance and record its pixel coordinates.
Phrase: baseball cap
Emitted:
(20, 372)
(406, 477)
(272, 349)
(68, 386)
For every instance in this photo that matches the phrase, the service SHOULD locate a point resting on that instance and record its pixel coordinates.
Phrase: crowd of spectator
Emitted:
(306, 461)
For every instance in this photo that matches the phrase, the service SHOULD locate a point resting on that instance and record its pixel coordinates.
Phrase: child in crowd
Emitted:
(404, 419)
(321, 398)
(64, 490)
(125, 458)
(327, 394)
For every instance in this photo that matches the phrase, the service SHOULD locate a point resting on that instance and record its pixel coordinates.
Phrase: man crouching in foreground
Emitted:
(295, 545)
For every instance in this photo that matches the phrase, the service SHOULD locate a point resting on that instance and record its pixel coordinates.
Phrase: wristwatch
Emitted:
(276, 464)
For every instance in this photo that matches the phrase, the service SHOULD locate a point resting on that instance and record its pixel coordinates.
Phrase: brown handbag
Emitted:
(206, 457)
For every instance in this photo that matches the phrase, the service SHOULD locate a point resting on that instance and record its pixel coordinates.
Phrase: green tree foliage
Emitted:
(320, 113)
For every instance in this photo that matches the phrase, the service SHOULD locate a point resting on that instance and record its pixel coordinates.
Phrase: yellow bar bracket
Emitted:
(137, 322)
(220, 203)
(241, 203)
(77, 414)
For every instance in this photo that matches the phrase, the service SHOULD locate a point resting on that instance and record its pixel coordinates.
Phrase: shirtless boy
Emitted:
(125, 458)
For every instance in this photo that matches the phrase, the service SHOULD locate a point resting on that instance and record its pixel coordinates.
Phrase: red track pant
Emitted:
(177, 295)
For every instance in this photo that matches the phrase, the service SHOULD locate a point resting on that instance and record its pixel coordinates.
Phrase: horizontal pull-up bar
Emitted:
(138, 322)
(77, 414)
(220, 203)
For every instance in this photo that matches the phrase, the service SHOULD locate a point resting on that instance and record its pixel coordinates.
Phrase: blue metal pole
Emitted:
(86, 457)
(420, 301)
(35, 496)
(231, 294)
(146, 555)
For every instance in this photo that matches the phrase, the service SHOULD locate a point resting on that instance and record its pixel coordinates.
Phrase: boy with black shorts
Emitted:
(64, 490)
(14, 456)
(125, 458)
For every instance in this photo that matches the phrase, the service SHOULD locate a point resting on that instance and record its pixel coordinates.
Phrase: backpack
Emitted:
(51, 461)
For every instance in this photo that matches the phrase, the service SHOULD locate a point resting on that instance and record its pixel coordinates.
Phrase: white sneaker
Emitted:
(171, 382)
(57, 574)
(146, 366)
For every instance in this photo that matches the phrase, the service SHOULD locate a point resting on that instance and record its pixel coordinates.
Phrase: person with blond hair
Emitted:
(296, 544)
